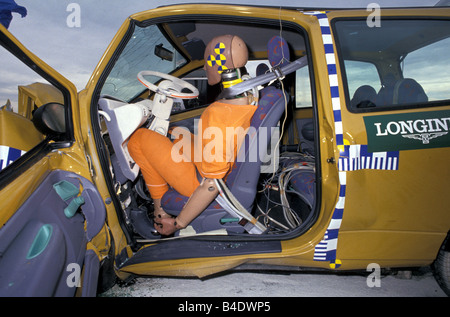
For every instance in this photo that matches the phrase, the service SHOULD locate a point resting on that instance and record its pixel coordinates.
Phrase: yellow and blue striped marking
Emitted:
(8, 155)
(351, 158)
(357, 157)
(325, 250)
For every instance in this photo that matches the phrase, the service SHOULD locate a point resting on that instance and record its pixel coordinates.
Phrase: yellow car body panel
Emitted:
(390, 224)
(389, 216)
(360, 229)
(36, 95)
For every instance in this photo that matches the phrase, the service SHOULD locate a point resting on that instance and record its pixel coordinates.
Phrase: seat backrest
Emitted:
(363, 94)
(408, 90)
(243, 179)
(386, 93)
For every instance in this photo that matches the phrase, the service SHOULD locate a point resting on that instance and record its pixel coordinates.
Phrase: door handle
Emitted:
(68, 191)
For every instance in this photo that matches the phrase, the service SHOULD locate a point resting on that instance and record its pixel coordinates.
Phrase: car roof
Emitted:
(320, 5)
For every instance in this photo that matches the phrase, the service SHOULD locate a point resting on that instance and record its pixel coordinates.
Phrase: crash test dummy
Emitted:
(224, 57)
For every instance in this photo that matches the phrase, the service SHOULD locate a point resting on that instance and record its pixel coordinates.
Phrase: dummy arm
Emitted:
(201, 198)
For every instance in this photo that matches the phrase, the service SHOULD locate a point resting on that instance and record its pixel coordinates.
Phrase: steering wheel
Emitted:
(173, 89)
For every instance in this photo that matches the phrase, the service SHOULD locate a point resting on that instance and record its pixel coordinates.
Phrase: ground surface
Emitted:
(258, 285)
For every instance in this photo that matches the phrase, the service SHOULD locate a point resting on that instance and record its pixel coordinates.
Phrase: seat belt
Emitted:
(228, 201)
(275, 73)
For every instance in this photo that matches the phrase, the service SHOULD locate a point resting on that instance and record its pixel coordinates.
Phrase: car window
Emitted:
(401, 63)
(303, 88)
(359, 76)
(430, 67)
(147, 49)
(22, 92)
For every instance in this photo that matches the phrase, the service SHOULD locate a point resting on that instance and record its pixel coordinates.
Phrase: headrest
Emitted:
(278, 51)
(262, 69)
(407, 90)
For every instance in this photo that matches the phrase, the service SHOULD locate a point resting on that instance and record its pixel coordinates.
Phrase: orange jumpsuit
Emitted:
(212, 152)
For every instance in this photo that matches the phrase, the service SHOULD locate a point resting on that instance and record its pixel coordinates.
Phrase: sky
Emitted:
(75, 51)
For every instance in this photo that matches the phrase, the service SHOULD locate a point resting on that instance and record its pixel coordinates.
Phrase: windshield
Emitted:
(147, 49)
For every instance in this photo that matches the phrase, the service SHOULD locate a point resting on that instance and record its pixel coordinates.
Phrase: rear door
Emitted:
(49, 209)
(396, 139)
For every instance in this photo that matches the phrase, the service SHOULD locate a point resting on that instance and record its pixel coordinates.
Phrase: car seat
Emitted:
(365, 96)
(408, 90)
(385, 95)
(243, 179)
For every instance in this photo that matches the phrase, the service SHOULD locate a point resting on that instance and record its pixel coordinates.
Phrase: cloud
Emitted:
(13, 74)
(72, 51)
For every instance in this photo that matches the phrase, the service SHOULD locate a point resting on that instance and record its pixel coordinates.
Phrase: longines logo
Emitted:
(424, 137)
(408, 131)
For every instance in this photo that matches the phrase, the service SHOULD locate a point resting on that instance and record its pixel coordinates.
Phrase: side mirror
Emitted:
(50, 119)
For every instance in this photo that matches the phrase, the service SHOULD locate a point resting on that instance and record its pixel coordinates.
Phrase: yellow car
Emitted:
(344, 167)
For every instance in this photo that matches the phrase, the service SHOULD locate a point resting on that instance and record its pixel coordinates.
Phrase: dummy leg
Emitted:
(202, 197)
(159, 211)
(153, 153)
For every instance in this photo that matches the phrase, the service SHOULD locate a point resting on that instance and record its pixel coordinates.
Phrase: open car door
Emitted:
(50, 210)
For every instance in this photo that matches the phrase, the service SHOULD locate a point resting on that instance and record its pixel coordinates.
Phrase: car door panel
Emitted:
(396, 183)
(42, 247)
(52, 214)
(36, 248)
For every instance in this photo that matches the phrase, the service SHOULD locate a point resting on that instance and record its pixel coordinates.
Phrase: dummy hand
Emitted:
(165, 226)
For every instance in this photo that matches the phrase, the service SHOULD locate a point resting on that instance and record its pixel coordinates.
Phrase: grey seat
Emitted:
(407, 90)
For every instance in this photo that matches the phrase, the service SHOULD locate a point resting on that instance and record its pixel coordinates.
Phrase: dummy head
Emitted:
(224, 53)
